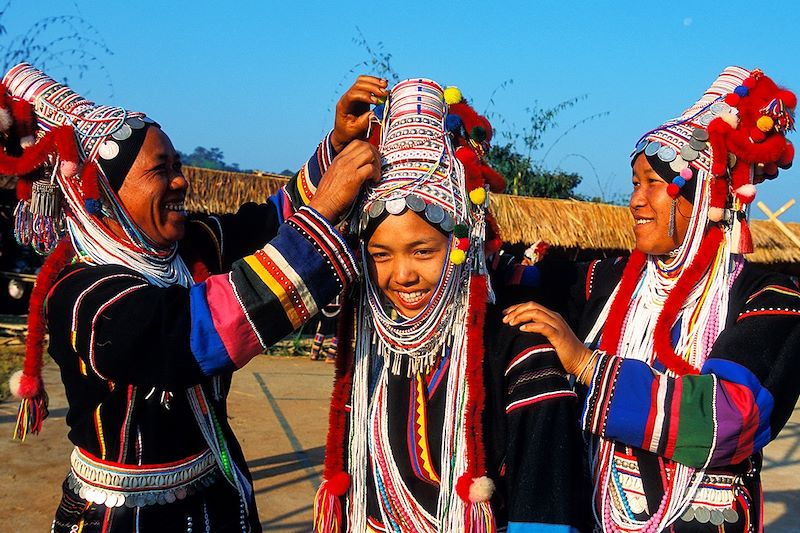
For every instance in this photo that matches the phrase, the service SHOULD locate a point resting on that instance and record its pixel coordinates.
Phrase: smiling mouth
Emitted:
(640, 221)
(179, 207)
(412, 299)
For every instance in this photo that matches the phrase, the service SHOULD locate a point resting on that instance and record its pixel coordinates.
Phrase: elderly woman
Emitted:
(692, 353)
(147, 331)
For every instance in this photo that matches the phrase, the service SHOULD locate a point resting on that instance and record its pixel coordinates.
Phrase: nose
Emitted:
(179, 182)
(404, 272)
(637, 199)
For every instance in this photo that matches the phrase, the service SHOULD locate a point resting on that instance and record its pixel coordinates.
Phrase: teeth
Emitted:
(175, 207)
(411, 297)
(642, 221)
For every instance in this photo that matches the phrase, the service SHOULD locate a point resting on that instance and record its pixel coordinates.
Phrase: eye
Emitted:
(424, 252)
(379, 256)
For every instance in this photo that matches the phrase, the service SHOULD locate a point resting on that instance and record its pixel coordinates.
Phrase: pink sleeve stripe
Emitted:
(230, 321)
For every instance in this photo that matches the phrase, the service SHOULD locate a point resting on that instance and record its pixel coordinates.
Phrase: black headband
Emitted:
(118, 166)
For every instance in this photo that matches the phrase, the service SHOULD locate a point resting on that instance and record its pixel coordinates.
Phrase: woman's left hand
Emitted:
(537, 318)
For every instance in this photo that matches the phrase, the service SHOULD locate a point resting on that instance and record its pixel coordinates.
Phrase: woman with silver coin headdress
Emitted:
(147, 326)
(689, 353)
(441, 419)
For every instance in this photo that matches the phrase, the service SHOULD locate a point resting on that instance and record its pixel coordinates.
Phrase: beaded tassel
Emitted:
(31, 414)
(327, 511)
(479, 518)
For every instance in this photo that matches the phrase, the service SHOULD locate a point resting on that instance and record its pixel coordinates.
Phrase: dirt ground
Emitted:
(278, 409)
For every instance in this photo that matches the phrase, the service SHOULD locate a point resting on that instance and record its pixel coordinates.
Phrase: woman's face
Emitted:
(650, 206)
(154, 190)
(406, 259)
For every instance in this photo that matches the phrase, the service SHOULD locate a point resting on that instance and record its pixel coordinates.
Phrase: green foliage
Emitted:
(64, 46)
(212, 158)
(524, 177)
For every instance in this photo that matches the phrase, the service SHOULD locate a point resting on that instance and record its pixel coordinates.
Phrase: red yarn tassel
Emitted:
(745, 238)
(619, 308)
(691, 275)
(33, 407)
(336, 482)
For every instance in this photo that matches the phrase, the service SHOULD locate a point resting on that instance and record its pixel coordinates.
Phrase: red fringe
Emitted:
(619, 309)
(31, 158)
(343, 379)
(66, 144)
(89, 187)
(476, 460)
(691, 275)
(745, 238)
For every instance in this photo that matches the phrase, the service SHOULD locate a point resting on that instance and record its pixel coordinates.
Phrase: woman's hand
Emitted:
(536, 318)
(352, 110)
(358, 162)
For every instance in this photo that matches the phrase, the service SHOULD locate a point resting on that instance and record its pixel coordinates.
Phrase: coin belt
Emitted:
(116, 484)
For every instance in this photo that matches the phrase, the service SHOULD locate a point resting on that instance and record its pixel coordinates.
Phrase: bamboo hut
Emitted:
(217, 191)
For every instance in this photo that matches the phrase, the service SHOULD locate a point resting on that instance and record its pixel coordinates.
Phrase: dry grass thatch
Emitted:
(585, 225)
(215, 191)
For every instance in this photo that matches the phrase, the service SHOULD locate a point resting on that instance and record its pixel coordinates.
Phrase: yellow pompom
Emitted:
(452, 95)
(458, 256)
(478, 196)
(765, 123)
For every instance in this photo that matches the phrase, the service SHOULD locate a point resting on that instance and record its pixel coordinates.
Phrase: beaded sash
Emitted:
(114, 484)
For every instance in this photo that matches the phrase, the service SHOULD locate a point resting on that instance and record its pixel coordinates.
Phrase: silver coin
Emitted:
(730, 515)
(376, 209)
(702, 515)
(150, 499)
(718, 107)
(700, 134)
(415, 203)
(697, 144)
(731, 159)
(688, 153)
(122, 133)
(688, 515)
(706, 119)
(170, 497)
(716, 517)
(130, 501)
(667, 154)
(448, 223)
(640, 146)
(395, 206)
(111, 500)
(434, 213)
(135, 123)
(678, 164)
(108, 150)
(180, 493)
(652, 148)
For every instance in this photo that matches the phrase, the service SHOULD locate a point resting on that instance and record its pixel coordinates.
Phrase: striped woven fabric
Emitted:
(269, 293)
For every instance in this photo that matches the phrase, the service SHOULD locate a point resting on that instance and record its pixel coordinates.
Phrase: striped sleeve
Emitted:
(302, 187)
(743, 396)
(719, 417)
(270, 293)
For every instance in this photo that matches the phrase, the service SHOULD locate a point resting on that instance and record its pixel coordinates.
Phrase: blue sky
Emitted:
(259, 80)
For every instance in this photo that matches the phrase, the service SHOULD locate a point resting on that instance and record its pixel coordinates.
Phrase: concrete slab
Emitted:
(279, 409)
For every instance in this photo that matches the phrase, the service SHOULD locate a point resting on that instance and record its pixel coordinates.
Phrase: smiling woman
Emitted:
(442, 420)
(150, 310)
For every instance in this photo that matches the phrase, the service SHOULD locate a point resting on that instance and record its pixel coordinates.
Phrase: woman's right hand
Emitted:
(357, 163)
(352, 110)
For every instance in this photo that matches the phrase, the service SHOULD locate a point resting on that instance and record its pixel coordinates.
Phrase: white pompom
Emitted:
(6, 120)
(27, 141)
(715, 214)
(481, 489)
(731, 119)
(14, 383)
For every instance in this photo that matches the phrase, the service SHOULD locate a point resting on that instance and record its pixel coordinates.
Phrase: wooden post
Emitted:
(773, 217)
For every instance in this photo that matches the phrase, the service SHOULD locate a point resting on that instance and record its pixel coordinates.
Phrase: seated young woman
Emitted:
(442, 418)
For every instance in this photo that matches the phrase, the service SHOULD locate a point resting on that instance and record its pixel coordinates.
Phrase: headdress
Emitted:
(71, 157)
(670, 312)
(432, 145)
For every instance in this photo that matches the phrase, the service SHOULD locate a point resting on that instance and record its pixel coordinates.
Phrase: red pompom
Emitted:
(788, 98)
(673, 190)
(463, 244)
(732, 99)
(462, 487)
(466, 155)
(749, 82)
(757, 136)
(338, 484)
(718, 127)
(496, 182)
(787, 156)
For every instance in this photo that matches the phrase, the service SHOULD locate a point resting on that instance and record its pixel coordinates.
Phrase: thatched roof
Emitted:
(585, 225)
(216, 191)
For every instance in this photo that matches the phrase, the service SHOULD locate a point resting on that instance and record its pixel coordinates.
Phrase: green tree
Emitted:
(525, 177)
(212, 158)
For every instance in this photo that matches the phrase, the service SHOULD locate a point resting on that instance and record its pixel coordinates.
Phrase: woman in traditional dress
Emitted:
(693, 353)
(146, 332)
(441, 418)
